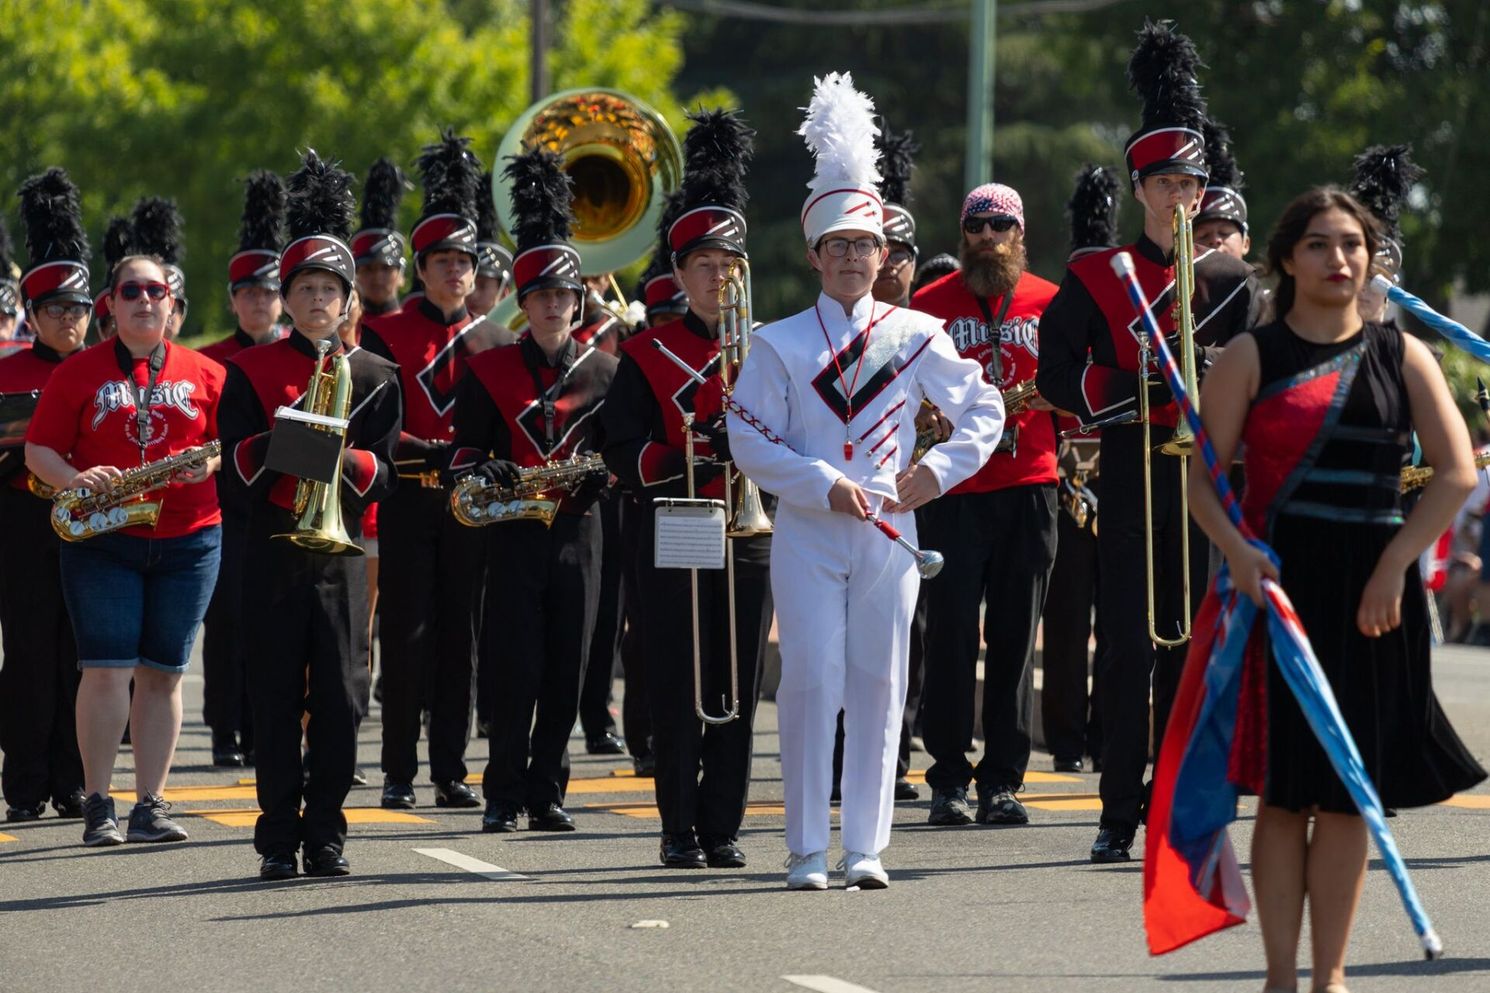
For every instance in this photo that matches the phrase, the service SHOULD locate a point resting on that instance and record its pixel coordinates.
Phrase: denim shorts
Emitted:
(139, 601)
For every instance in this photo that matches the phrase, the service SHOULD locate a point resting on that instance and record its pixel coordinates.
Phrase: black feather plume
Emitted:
(451, 174)
(716, 154)
(1220, 163)
(1164, 71)
(897, 159)
(263, 223)
(1093, 209)
(1384, 175)
(7, 252)
(662, 256)
(320, 199)
(381, 195)
(486, 210)
(157, 229)
(541, 197)
(118, 241)
(52, 212)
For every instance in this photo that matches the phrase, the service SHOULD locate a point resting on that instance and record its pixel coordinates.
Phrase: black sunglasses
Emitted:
(132, 290)
(999, 222)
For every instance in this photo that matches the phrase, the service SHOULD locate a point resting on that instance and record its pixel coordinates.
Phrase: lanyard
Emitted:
(849, 387)
(142, 394)
(995, 332)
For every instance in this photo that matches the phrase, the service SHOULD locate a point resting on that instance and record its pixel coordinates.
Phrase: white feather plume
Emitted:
(840, 131)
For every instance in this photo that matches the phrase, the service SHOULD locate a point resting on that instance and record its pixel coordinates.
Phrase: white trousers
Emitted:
(844, 597)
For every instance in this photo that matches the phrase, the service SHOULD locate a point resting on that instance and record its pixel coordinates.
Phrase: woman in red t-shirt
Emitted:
(136, 596)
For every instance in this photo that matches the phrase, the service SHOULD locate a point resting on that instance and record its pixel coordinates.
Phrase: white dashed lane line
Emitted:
(484, 869)
(827, 984)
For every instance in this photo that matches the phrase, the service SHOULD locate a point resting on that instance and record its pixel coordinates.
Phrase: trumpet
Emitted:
(1415, 477)
(475, 502)
(80, 513)
(318, 525)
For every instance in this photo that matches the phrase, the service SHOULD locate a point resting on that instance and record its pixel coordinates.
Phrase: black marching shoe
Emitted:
(226, 752)
(455, 794)
(326, 861)
(1112, 845)
(644, 766)
(723, 853)
(277, 866)
(397, 796)
(1067, 765)
(25, 812)
(500, 818)
(949, 807)
(71, 805)
(905, 789)
(681, 851)
(608, 743)
(1000, 806)
(550, 817)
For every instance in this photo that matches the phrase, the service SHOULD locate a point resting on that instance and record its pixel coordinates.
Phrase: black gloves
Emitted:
(500, 471)
(714, 430)
(592, 485)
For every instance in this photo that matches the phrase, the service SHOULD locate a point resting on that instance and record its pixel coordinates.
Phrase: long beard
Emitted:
(992, 274)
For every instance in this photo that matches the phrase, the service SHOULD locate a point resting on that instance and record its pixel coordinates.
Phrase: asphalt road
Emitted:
(434, 905)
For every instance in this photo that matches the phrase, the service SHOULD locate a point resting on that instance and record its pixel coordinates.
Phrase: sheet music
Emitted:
(689, 535)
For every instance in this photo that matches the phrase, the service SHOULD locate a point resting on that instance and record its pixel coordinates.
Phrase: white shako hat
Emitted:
(840, 131)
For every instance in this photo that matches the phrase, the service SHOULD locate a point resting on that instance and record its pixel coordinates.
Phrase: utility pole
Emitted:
(539, 44)
(978, 165)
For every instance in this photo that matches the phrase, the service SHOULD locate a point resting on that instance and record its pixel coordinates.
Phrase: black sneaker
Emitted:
(1000, 806)
(397, 796)
(23, 812)
(100, 825)
(150, 821)
(71, 805)
(949, 807)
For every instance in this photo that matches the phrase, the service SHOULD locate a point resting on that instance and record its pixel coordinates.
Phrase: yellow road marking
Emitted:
(605, 784)
(8, 837)
(919, 776)
(187, 794)
(647, 811)
(354, 815)
(1469, 801)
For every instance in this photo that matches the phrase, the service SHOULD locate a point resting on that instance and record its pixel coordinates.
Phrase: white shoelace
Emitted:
(855, 856)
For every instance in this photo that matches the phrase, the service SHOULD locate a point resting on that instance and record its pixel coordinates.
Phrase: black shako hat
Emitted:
(1163, 71)
(897, 160)
(1222, 200)
(451, 174)
(320, 209)
(56, 245)
(1384, 176)
(1093, 211)
(716, 154)
(378, 240)
(542, 221)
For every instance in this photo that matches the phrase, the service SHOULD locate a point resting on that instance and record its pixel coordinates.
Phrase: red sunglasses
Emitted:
(132, 290)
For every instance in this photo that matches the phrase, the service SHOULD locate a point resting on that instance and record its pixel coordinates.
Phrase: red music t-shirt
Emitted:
(1018, 344)
(87, 414)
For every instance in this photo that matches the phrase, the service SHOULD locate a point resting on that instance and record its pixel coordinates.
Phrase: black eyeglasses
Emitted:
(838, 247)
(56, 311)
(132, 290)
(999, 222)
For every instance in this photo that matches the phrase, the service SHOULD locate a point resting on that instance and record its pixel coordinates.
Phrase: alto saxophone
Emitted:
(477, 502)
(1417, 476)
(80, 513)
(1017, 400)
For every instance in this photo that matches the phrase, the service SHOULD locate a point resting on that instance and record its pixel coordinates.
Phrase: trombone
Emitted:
(1182, 443)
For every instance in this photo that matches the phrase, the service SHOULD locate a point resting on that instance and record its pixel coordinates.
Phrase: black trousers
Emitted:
(636, 708)
(999, 548)
(703, 770)
(430, 587)
(39, 675)
(1131, 665)
(1069, 714)
(305, 634)
(225, 707)
(540, 615)
(605, 643)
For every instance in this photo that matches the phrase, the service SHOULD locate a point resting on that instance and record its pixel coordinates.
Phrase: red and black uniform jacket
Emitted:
(644, 418)
(22, 370)
(605, 331)
(221, 351)
(431, 354)
(265, 378)
(518, 406)
(1031, 460)
(1090, 332)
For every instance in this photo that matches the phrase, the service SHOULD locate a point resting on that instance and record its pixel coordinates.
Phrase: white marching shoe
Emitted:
(864, 871)
(807, 872)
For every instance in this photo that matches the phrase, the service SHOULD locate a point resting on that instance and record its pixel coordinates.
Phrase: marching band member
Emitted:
(1221, 221)
(702, 770)
(494, 262)
(253, 288)
(378, 246)
(1088, 365)
(996, 529)
(309, 653)
(155, 228)
(39, 674)
(11, 324)
(118, 239)
(136, 595)
(431, 577)
(840, 383)
(1068, 712)
(1382, 177)
(520, 408)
